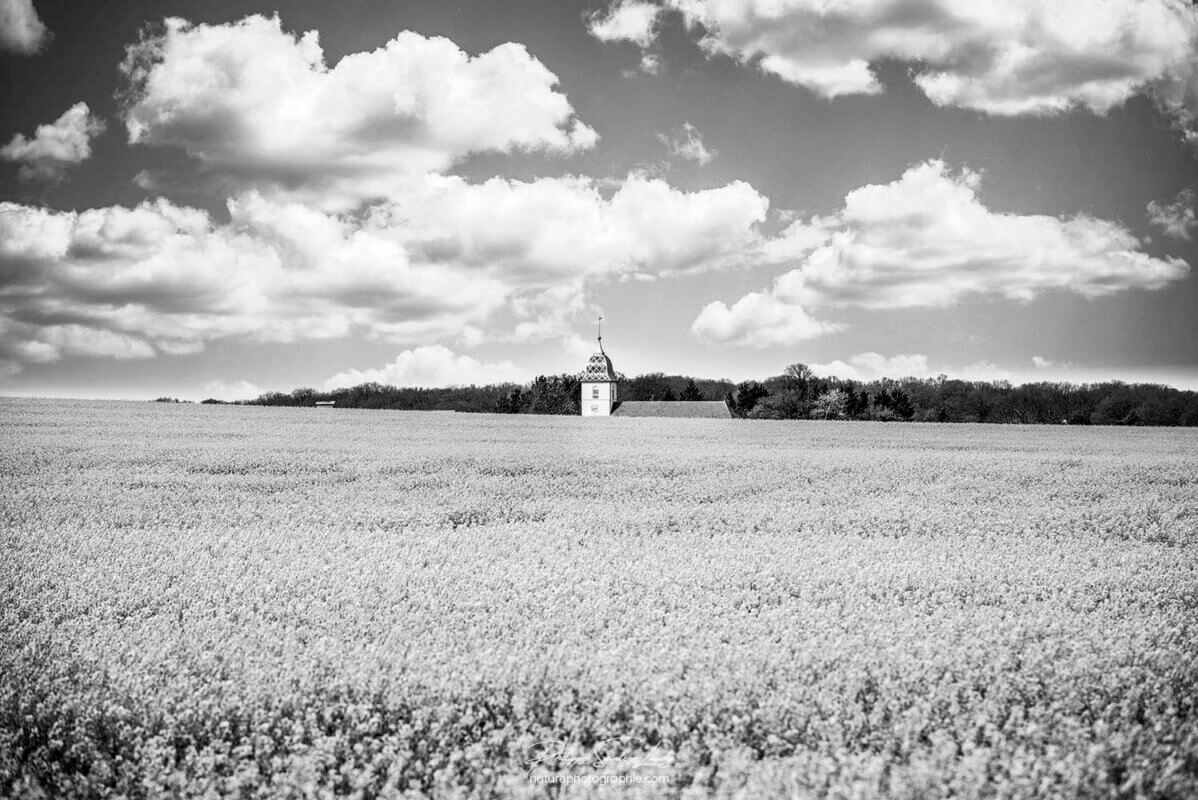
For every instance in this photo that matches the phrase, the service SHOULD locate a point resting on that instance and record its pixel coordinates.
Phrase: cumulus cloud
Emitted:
(927, 240)
(341, 219)
(544, 240)
(231, 390)
(260, 107)
(163, 278)
(871, 366)
(56, 146)
(874, 366)
(1018, 57)
(21, 31)
(628, 20)
(440, 259)
(759, 319)
(430, 366)
(554, 228)
(650, 63)
(687, 143)
(1176, 220)
(56, 341)
(1176, 94)
(1040, 362)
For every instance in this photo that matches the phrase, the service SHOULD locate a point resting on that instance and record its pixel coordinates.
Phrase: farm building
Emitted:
(599, 385)
(599, 396)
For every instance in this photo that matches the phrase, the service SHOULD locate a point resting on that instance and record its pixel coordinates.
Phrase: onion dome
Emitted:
(599, 369)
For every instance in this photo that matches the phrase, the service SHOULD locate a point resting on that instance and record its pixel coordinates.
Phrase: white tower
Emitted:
(598, 383)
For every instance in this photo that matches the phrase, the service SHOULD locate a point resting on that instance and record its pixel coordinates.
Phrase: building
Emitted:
(599, 385)
(599, 396)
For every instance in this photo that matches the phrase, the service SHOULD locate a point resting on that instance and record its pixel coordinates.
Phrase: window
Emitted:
(594, 392)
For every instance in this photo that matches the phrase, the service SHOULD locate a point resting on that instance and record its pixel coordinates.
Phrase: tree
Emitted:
(303, 397)
(653, 386)
(832, 404)
(746, 396)
(274, 399)
(557, 394)
(798, 378)
(1156, 411)
(511, 404)
(1117, 408)
(901, 403)
(855, 402)
(691, 392)
(783, 405)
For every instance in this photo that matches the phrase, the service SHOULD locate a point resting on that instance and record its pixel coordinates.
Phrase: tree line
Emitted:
(547, 394)
(799, 394)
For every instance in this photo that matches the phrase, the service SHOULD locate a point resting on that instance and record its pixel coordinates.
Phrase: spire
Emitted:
(599, 368)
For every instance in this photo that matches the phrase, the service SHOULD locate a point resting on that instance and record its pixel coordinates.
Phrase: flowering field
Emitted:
(256, 602)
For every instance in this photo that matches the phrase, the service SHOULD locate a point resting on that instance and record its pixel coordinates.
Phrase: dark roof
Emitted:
(598, 369)
(710, 409)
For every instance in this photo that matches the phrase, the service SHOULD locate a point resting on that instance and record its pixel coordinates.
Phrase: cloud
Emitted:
(231, 390)
(341, 221)
(650, 63)
(56, 146)
(441, 258)
(1040, 362)
(1176, 220)
(1019, 57)
(164, 278)
(260, 107)
(430, 366)
(542, 231)
(21, 31)
(874, 366)
(544, 240)
(926, 240)
(758, 319)
(53, 342)
(1176, 95)
(628, 21)
(871, 366)
(687, 143)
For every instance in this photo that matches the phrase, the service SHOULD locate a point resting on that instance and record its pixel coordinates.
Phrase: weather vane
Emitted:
(599, 327)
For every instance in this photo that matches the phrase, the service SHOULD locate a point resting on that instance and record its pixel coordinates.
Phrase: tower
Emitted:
(598, 383)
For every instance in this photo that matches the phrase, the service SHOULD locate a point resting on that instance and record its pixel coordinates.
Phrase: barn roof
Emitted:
(711, 409)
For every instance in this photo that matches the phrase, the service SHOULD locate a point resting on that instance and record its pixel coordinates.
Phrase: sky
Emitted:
(214, 199)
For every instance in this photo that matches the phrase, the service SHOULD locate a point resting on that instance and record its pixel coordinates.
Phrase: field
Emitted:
(202, 601)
